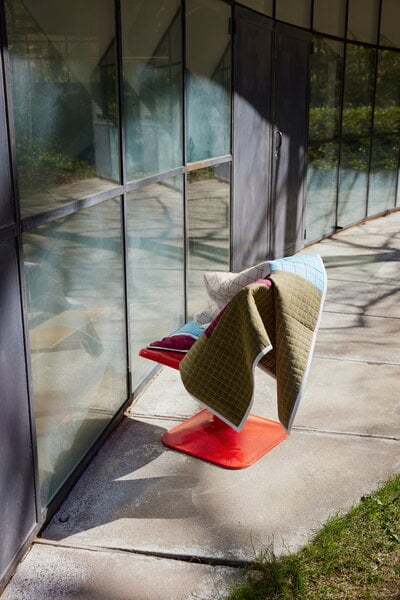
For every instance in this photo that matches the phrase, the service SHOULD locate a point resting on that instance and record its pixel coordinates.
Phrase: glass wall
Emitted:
(265, 7)
(208, 216)
(155, 266)
(390, 18)
(323, 135)
(208, 79)
(152, 69)
(368, 128)
(296, 12)
(63, 67)
(330, 17)
(74, 274)
(363, 19)
(385, 142)
(356, 133)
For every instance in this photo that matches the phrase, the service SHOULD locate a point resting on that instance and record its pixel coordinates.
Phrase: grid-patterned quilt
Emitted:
(270, 326)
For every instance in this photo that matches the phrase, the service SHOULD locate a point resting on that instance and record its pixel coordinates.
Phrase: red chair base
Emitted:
(205, 436)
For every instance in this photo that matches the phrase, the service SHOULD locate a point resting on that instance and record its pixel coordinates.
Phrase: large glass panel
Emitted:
(296, 12)
(265, 7)
(385, 143)
(390, 19)
(152, 63)
(356, 133)
(74, 272)
(63, 74)
(208, 217)
(323, 146)
(208, 79)
(329, 17)
(363, 17)
(155, 266)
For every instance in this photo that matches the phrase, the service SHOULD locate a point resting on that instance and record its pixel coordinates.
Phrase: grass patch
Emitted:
(354, 557)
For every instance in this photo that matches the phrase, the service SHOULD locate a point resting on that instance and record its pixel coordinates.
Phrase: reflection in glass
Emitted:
(390, 19)
(208, 76)
(385, 143)
(208, 216)
(63, 66)
(296, 12)
(356, 133)
(265, 7)
(155, 266)
(363, 17)
(323, 147)
(329, 17)
(152, 64)
(74, 273)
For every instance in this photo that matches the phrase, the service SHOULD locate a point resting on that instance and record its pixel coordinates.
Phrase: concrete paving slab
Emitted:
(369, 252)
(359, 337)
(346, 265)
(166, 396)
(137, 495)
(363, 298)
(364, 399)
(351, 396)
(388, 225)
(56, 573)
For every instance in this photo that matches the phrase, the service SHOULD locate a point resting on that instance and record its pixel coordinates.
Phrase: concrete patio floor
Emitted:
(148, 523)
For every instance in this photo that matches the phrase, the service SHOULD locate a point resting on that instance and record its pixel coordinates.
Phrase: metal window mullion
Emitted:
(123, 204)
(184, 159)
(18, 240)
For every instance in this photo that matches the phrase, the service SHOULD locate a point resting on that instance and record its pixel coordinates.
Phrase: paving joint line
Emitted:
(373, 436)
(358, 314)
(371, 283)
(189, 558)
(357, 360)
(299, 428)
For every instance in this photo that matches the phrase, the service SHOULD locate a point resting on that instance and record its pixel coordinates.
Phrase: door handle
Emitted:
(279, 142)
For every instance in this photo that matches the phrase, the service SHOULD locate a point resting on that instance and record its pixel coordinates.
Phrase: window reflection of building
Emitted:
(208, 77)
(152, 68)
(208, 228)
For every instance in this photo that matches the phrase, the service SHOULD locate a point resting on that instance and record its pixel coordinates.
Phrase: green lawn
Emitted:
(354, 557)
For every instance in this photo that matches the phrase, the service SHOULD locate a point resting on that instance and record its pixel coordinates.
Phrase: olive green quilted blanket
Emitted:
(270, 326)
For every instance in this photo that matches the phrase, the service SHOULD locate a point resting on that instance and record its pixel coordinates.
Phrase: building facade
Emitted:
(143, 143)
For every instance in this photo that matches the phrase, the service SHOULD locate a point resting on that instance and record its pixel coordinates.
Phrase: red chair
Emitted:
(207, 437)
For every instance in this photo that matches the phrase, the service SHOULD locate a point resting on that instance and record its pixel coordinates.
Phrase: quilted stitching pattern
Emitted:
(222, 287)
(215, 370)
(309, 266)
(219, 371)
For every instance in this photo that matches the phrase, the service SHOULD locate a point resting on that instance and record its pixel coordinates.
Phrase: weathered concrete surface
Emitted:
(136, 495)
(56, 573)
(139, 496)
